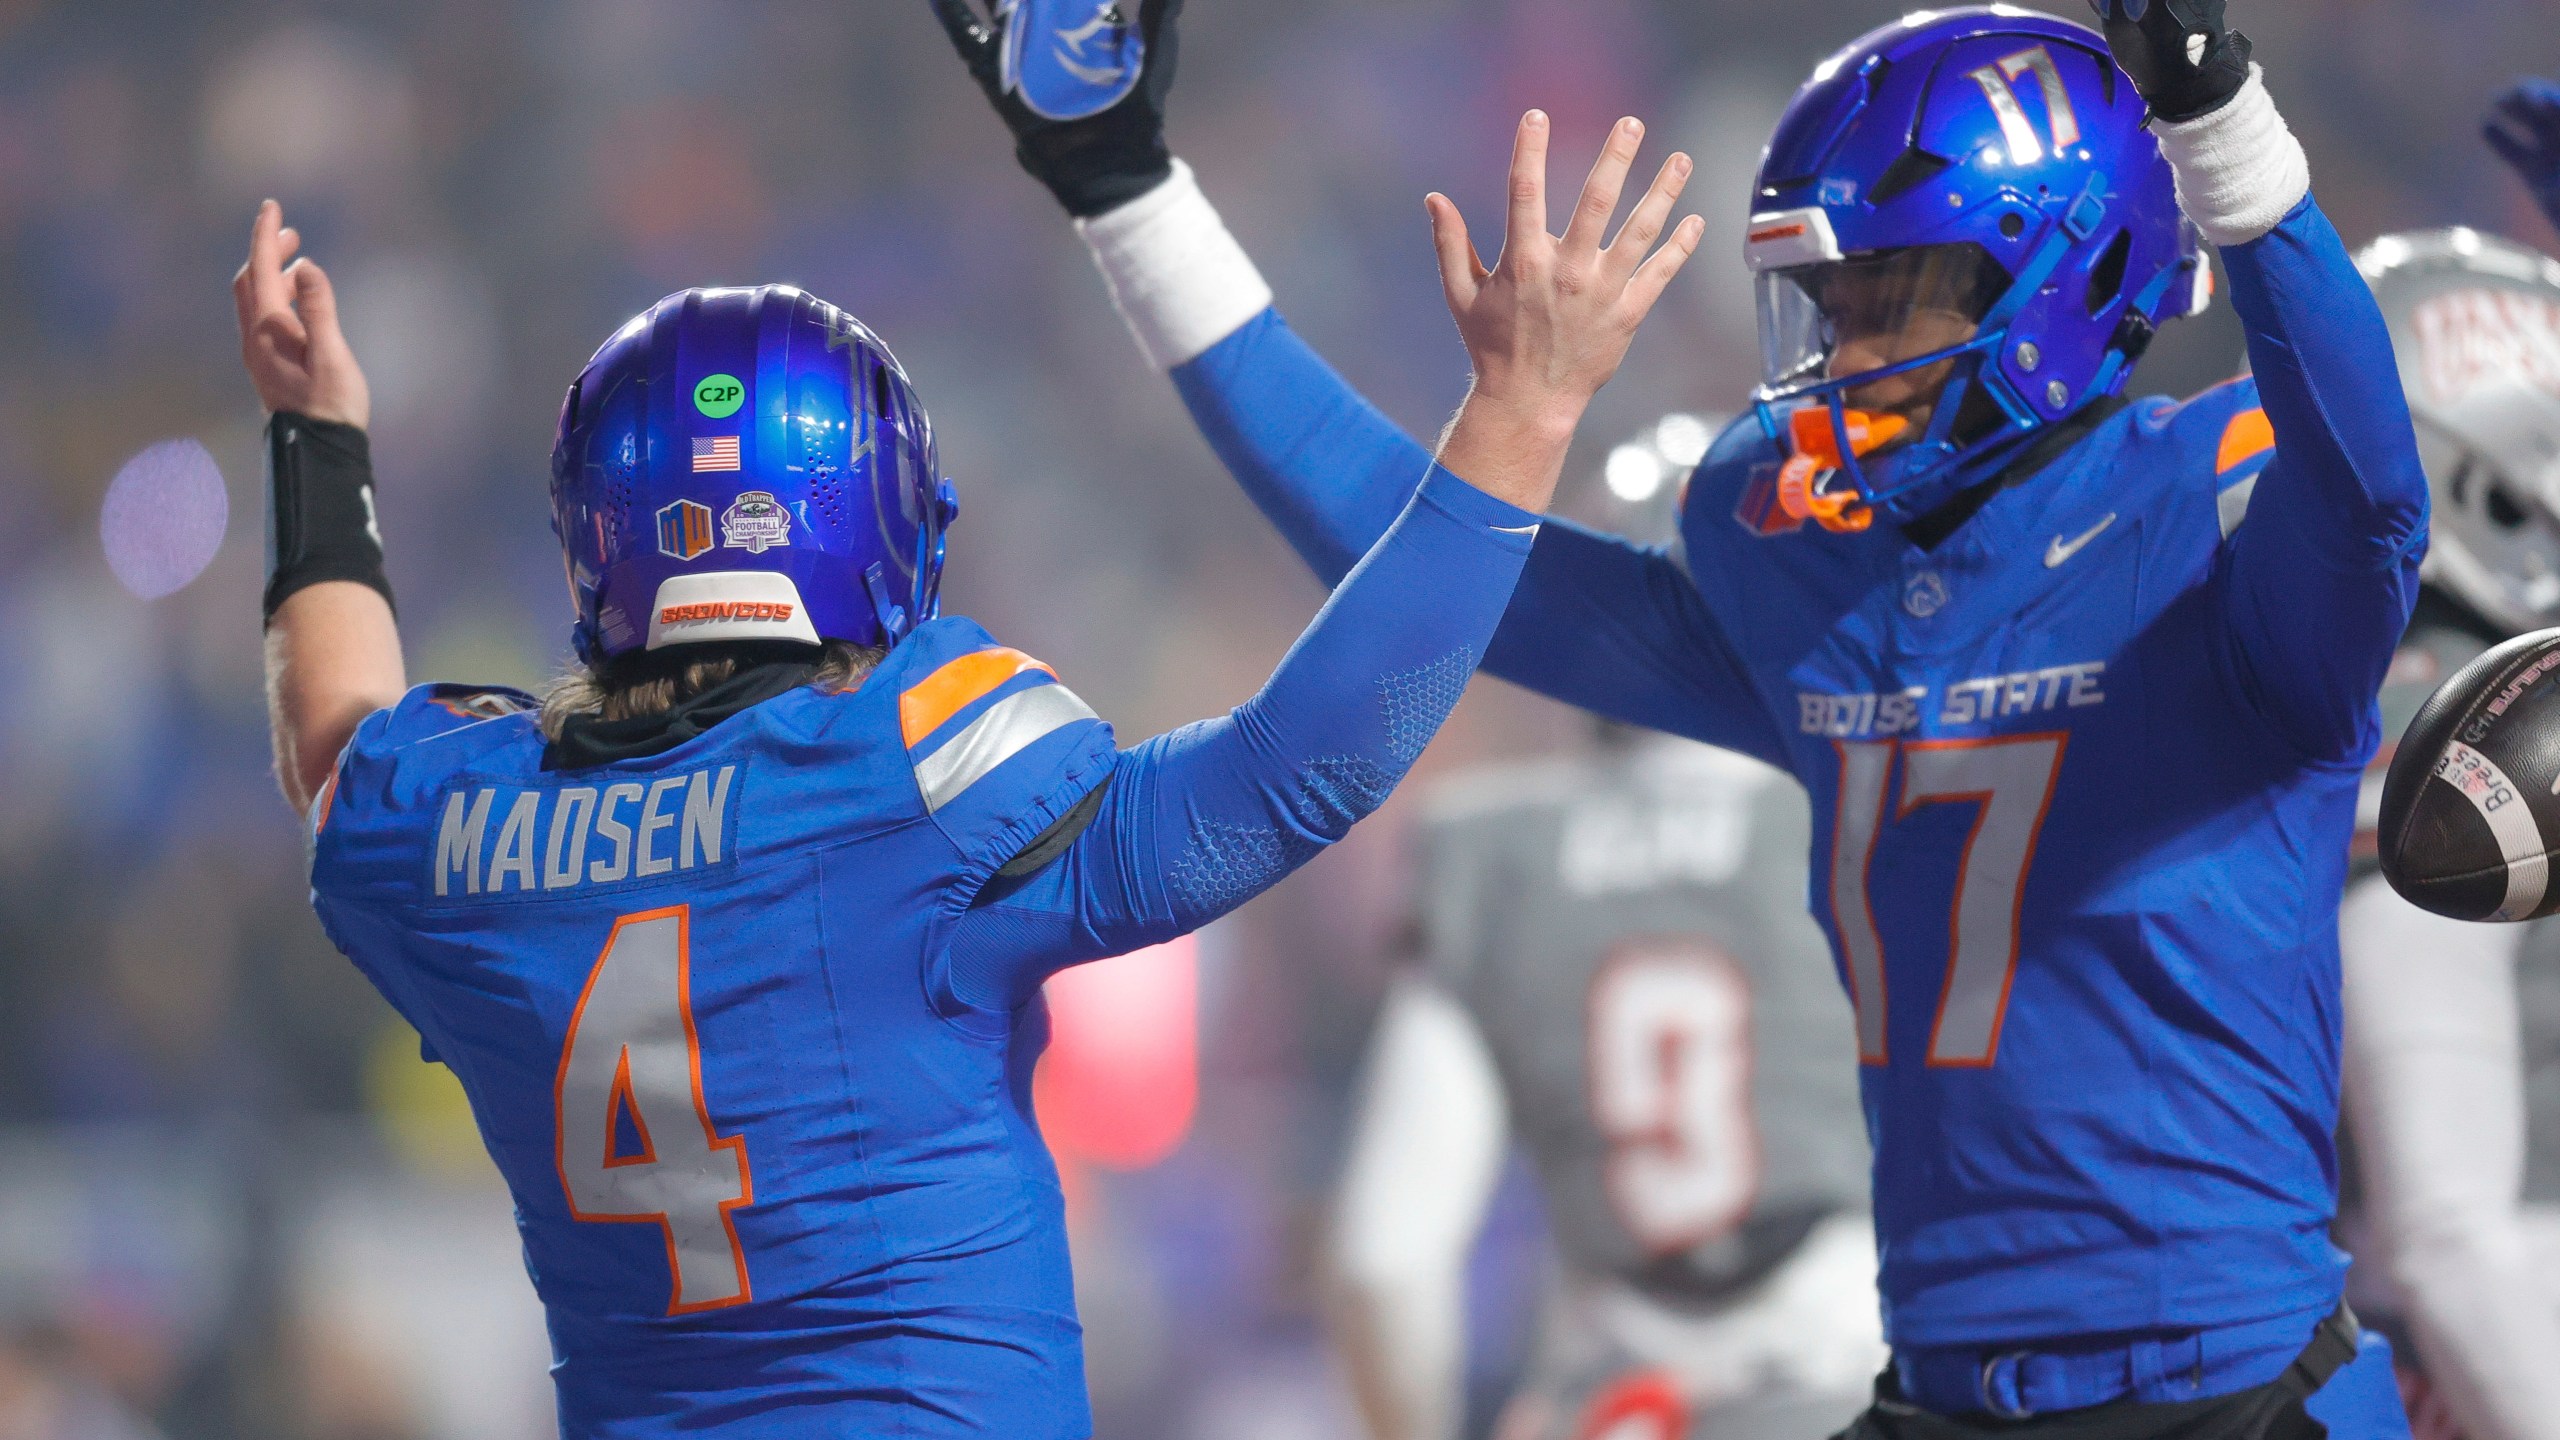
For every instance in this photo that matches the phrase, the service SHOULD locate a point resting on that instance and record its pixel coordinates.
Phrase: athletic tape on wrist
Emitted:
(1180, 280)
(2240, 170)
(320, 520)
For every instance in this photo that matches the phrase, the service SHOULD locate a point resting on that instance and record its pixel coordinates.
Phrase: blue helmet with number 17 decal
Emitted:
(747, 464)
(1962, 233)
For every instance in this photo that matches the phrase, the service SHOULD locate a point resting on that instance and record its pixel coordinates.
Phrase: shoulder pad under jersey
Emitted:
(1736, 484)
(471, 718)
(1000, 749)
(402, 757)
(2227, 432)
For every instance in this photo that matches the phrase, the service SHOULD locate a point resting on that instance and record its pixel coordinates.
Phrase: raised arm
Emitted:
(1597, 622)
(1195, 823)
(333, 648)
(2320, 581)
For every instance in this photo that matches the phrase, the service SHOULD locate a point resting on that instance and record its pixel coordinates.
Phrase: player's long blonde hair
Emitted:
(648, 682)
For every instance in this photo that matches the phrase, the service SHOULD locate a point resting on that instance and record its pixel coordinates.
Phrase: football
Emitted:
(2469, 806)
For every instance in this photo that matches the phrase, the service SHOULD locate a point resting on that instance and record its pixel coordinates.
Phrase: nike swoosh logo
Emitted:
(1515, 529)
(2059, 553)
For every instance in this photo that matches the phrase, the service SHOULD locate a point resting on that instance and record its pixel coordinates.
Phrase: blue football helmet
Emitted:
(747, 464)
(1962, 233)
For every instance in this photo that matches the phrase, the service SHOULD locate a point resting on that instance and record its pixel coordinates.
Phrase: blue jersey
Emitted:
(750, 1040)
(2084, 778)
(637, 975)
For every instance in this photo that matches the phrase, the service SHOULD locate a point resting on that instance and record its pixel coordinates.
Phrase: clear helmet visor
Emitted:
(1868, 314)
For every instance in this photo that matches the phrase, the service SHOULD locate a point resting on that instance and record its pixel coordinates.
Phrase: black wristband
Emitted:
(320, 523)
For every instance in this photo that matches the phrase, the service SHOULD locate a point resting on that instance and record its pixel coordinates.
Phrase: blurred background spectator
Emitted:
(233, 1202)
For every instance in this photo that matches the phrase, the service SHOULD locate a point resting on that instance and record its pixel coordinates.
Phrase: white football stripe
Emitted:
(2503, 806)
(995, 737)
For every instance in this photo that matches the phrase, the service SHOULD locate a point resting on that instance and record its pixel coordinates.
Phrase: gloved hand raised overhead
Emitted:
(1108, 157)
(2179, 53)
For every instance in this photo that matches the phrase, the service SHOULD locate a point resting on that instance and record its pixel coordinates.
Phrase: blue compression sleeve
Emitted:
(2320, 580)
(1325, 466)
(1597, 622)
(1621, 630)
(1201, 820)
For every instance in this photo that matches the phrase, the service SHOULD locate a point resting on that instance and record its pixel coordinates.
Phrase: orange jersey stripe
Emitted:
(2248, 436)
(949, 690)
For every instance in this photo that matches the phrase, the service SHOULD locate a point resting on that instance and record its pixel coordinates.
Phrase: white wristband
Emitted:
(2240, 171)
(1180, 280)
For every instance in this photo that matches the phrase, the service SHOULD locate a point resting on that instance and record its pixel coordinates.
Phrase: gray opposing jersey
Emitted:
(2538, 1001)
(1630, 935)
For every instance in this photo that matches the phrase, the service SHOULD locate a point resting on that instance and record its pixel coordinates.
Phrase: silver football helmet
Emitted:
(2476, 322)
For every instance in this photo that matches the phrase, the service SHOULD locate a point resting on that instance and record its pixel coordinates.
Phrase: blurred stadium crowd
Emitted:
(232, 1201)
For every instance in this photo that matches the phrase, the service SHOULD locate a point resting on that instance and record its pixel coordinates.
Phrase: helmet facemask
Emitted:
(1880, 349)
(2496, 534)
(1890, 324)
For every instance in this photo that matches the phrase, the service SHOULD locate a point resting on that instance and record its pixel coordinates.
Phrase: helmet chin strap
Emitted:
(894, 623)
(1826, 439)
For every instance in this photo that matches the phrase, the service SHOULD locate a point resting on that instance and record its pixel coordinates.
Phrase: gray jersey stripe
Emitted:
(2233, 504)
(995, 737)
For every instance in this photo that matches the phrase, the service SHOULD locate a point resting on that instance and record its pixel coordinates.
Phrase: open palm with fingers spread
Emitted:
(1549, 322)
(289, 337)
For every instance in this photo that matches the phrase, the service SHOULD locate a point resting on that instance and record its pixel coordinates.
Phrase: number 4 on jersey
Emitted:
(2012, 781)
(636, 1142)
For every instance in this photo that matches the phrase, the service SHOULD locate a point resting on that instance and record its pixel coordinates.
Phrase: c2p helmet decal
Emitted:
(747, 464)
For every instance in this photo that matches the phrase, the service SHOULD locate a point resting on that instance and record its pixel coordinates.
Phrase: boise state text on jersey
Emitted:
(2038, 884)
(2083, 779)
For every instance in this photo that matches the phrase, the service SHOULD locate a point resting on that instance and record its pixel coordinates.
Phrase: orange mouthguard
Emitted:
(1818, 454)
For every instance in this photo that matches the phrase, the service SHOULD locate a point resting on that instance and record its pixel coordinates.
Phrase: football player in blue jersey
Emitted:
(2082, 733)
(735, 940)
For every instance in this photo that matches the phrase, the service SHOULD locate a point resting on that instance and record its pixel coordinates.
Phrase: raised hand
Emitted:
(289, 337)
(1549, 322)
(2524, 128)
(2184, 62)
(1095, 164)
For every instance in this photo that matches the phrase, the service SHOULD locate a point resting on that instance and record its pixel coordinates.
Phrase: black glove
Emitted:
(1091, 165)
(2184, 63)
